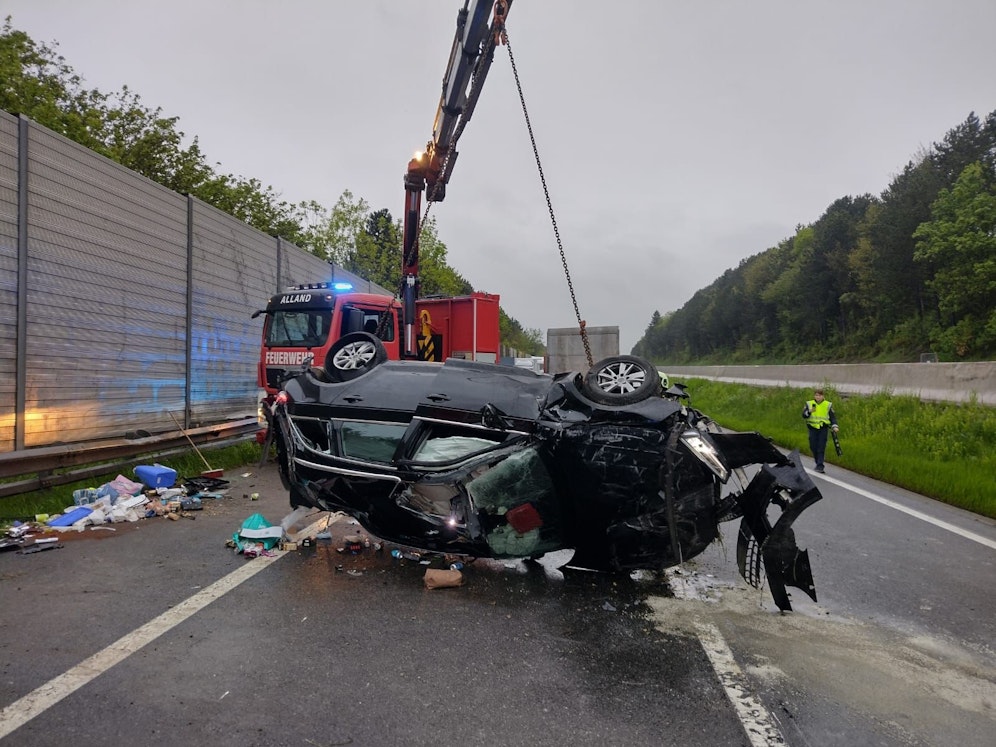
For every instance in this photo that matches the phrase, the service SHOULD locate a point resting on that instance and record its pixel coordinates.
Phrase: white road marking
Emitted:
(913, 512)
(757, 722)
(44, 697)
(760, 726)
(39, 700)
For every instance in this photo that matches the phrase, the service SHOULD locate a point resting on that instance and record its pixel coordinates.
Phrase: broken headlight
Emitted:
(705, 451)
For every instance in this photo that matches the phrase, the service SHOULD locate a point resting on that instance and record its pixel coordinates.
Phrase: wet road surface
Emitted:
(322, 647)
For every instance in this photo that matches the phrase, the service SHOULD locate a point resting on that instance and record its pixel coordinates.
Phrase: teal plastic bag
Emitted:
(257, 531)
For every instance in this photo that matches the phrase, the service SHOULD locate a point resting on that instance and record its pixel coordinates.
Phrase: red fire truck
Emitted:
(307, 323)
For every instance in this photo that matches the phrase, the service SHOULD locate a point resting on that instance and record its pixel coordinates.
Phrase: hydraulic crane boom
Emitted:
(479, 27)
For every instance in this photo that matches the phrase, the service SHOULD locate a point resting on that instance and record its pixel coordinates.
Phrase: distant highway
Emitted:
(943, 382)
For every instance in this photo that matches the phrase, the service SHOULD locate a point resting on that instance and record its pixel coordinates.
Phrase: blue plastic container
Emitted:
(71, 517)
(156, 475)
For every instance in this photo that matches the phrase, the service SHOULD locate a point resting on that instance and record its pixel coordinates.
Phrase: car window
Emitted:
(451, 448)
(371, 323)
(373, 442)
(365, 319)
(441, 443)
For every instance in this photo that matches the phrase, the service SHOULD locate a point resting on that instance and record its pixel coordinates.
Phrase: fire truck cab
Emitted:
(305, 321)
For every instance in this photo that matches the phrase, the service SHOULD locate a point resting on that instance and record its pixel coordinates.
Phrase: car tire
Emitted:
(622, 380)
(353, 355)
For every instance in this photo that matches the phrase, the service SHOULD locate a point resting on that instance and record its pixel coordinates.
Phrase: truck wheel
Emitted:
(353, 355)
(622, 380)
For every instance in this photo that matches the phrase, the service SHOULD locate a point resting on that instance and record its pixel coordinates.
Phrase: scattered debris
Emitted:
(256, 536)
(117, 501)
(37, 545)
(438, 578)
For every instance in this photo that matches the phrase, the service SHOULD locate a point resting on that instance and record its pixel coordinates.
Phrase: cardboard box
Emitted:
(440, 579)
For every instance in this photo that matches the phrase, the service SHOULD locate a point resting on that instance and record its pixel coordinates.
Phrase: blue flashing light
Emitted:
(338, 286)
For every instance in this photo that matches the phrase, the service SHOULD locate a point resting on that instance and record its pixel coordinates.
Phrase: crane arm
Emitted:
(467, 68)
(480, 24)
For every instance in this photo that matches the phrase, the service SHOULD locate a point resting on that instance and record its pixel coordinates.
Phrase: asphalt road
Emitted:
(157, 633)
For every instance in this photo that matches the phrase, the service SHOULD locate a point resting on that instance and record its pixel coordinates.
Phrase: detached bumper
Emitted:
(772, 547)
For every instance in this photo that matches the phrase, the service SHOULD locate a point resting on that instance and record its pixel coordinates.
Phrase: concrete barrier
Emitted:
(565, 349)
(941, 382)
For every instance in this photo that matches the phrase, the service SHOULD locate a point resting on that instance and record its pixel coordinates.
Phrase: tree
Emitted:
(38, 83)
(332, 234)
(438, 278)
(514, 335)
(377, 256)
(959, 242)
(835, 236)
(792, 293)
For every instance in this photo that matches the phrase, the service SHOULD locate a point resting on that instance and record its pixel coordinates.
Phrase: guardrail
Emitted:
(109, 455)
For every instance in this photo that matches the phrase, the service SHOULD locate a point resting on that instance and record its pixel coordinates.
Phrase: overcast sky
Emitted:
(677, 137)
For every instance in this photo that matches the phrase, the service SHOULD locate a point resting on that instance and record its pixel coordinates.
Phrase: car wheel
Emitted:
(622, 380)
(354, 355)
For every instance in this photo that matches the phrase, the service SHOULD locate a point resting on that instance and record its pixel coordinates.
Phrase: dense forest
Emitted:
(38, 82)
(883, 279)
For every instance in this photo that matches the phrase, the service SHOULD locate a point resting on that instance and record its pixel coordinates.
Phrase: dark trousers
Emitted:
(818, 443)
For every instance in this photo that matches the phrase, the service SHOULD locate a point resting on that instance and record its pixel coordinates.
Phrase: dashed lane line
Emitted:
(758, 723)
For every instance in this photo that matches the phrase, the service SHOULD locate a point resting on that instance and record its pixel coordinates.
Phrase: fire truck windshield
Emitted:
(306, 328)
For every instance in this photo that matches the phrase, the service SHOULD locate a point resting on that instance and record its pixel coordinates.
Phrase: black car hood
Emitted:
(410, 386)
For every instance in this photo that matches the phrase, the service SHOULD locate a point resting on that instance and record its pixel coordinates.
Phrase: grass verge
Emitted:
(941, 450)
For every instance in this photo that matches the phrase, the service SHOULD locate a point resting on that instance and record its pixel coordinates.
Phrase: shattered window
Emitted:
(372, 442)
(519, 494)
(522, 478)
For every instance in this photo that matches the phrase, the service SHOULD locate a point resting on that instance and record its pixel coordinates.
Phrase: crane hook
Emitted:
(501, 12)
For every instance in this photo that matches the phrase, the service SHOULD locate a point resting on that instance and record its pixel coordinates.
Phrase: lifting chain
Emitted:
(549, 204)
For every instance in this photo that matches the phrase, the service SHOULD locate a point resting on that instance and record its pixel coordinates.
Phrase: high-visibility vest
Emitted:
(819, 414)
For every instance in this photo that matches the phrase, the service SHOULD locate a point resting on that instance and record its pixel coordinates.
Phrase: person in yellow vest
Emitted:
(820, 419)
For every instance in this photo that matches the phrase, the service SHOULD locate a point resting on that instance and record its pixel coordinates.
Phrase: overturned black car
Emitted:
(496, 461)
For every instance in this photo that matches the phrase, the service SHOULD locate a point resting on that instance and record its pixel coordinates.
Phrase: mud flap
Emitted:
(759, 544)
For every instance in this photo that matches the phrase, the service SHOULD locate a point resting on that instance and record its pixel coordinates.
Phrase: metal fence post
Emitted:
(21, 356)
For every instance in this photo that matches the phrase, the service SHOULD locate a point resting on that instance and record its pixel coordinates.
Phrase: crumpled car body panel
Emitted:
(493, 461)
